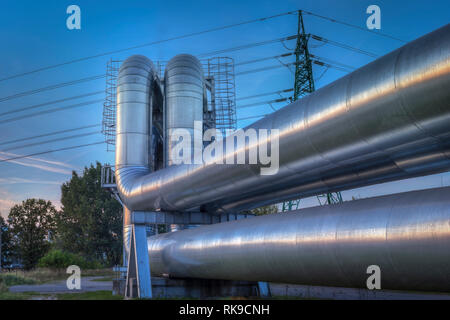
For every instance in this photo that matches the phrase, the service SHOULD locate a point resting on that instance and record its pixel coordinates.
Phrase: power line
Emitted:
(264, 59)
(50, 134)
(344, 46)
(324, 64)
(242, 47)
(246, 46)
(50, 141)
(50, 151)
(315, 37)
(265, 94)
(85, 95)
(321, 75)
(337, 63)
(55, 86)
(319, 60)
(50, 111)
(354, 26)
(63, 84)
(51, 102)
(260, 69)
(286, 65)
(196, 34)
(261, 103)
(238, 48)
(149, 44)
(316, 61)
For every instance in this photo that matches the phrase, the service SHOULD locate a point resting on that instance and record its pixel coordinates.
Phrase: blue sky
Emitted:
(34, 34)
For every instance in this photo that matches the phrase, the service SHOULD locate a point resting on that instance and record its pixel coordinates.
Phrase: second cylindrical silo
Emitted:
(184, 102)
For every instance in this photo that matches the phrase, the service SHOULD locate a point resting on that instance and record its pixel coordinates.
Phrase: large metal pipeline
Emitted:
(407, 235)
(386, 121)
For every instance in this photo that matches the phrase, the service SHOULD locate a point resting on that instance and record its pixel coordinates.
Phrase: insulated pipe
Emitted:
(183, 87)
(134, 85)
(386, 121)
(126, 232)
(406, 235)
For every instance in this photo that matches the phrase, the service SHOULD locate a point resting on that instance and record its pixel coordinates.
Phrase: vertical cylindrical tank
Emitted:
(134, 85)
(183, 80)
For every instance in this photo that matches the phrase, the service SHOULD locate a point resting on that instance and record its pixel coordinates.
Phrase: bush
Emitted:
(8, 280)
(57, 259)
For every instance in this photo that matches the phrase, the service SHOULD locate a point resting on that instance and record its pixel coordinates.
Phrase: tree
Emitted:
(30, 225)
(265, 210)
(6, 245)
(90, 221)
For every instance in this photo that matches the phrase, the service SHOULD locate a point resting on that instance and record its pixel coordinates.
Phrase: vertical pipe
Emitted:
(126, 234)
(133, 108)
(184, 104)
(133, 128)
(184, 99)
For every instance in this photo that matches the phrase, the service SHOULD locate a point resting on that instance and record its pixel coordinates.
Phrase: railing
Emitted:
(109, 106)
(220, 69)
(108, 177)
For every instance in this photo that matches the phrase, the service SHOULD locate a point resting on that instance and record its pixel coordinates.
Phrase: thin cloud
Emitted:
(39, 163)
(6, 203)
(58, 163)
(5, 206)
(16, 180)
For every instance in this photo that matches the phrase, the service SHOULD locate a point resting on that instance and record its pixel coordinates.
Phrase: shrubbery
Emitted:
(58, 259)
(8, 280)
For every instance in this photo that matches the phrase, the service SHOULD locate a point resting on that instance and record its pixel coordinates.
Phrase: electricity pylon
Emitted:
(303, 85)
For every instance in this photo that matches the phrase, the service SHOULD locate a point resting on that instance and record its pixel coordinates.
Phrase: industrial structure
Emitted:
(304, 85)
(386, 121)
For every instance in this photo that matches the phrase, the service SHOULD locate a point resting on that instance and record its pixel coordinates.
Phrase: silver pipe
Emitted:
(183, 83)
(134, 93)
(386, 121)
(184, 94)
(132, 130)
(407, 235)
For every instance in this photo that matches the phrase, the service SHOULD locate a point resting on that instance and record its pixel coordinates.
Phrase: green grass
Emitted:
(43, 275)
(9, 279)
(93, 295)
(6, 295)
(109, 278)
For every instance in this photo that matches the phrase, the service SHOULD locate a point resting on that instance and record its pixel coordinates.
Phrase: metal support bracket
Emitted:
(152, 217)
(264, 289)
(138, 265)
